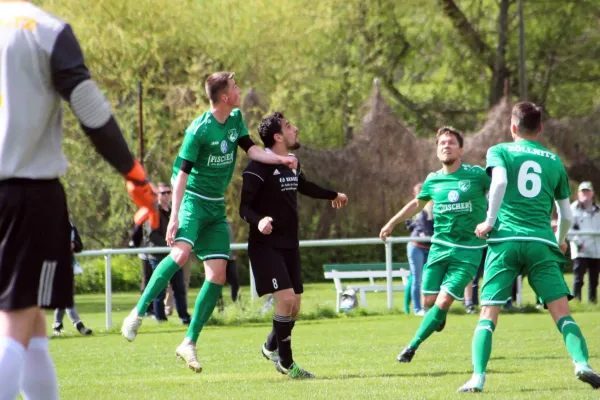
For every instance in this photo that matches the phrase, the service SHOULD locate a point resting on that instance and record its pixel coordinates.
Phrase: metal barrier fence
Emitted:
(108, 253)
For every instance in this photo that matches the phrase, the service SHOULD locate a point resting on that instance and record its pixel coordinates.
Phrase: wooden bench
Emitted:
(337, 272)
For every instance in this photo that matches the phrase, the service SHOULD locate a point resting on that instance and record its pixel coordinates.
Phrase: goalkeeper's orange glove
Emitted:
(141, 193)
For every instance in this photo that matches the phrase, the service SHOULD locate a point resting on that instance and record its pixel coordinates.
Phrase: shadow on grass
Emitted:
(411, 375)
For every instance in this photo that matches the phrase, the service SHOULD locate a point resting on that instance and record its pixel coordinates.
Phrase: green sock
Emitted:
(482, 345)
(407, 296)
(159, 281)
(203, 309)
(576, 345)
(432, 320)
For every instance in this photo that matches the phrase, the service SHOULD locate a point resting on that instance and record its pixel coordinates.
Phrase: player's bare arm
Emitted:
(258, 154)
(413, 207)
(496, 195)
(178, 191)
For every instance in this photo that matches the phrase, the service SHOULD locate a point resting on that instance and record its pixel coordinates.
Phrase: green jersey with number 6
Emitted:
(212, 147)
(536, 177)
(459, 204)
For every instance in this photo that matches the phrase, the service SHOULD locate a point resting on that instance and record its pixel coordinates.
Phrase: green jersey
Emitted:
(212, 147)
(459, 204)
(536, 177)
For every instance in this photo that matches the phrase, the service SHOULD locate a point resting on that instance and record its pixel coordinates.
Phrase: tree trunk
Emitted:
(500, 72)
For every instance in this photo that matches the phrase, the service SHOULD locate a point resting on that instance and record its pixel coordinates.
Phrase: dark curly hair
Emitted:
(269, 127)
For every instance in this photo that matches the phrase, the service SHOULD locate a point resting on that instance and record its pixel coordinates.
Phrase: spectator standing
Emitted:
(585, 250)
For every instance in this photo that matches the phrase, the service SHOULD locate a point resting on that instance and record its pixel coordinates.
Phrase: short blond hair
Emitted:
(216, 83)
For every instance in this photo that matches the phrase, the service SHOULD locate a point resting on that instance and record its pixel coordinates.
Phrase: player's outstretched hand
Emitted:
(264, 226)
(482, 230)
(141, 192)
(563, 247)
(290, 162)
(340, 201)
(139, 189)
(386, 231)
(172, 231)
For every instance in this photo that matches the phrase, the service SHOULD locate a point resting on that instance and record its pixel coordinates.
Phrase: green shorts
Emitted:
(203, 224)
(450, 269)
(542, 263)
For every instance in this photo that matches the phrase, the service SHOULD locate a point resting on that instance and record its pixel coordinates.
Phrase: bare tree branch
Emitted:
(468, 33)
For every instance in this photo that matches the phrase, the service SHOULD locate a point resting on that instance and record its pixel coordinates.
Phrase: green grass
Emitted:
(353, 357)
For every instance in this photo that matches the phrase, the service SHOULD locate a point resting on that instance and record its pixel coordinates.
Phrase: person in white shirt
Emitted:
(585, 250)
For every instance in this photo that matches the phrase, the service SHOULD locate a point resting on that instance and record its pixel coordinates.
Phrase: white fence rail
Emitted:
(108, 253)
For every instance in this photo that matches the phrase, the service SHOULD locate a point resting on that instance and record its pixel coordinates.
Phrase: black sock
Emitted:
(271, 343)
(283, 333)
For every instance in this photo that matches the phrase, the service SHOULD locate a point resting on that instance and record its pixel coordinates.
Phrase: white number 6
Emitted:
(525, 176)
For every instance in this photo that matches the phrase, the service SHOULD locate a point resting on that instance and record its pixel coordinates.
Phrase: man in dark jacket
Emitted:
(156, 238)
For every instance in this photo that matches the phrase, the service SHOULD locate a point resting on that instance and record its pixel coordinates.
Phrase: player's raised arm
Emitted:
(71, 79)
(258, 154)
(413, 207)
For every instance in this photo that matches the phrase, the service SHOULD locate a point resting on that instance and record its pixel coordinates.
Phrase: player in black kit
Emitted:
(269, 205)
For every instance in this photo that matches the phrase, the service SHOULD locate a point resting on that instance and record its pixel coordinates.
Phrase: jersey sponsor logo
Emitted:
(215, 143)
(18, 22)
(224, 147)
(455, 207)
(453, 196)
(538, 152)
(464, 185)
(219, 161)
(276, 172)
(288, 183)
(232, 135)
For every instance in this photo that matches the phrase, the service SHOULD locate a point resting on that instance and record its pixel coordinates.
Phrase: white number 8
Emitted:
(275, 285)
(525, 176)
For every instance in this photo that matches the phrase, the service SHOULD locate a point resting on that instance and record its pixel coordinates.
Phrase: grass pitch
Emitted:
(353, 357)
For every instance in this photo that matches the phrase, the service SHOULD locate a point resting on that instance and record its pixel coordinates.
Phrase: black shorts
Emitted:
(35, 245)
(275, 269)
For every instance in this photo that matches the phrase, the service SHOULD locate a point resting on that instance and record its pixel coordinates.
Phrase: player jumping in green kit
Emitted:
(526, 179)
(201, 173)
(458, 192)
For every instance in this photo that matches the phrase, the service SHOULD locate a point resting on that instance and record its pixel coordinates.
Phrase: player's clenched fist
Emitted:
(264, 225)
(290, 162)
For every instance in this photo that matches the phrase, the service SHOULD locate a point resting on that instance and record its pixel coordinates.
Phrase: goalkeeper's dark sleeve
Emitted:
(71, 79)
